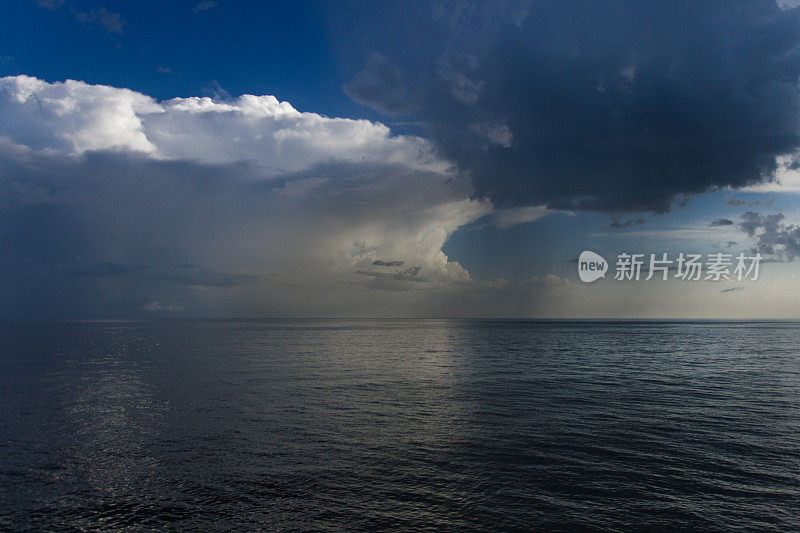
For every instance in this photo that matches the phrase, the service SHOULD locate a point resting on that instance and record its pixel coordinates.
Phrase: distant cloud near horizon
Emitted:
(721, 222)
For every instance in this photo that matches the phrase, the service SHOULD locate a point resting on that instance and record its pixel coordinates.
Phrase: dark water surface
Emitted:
(401, 425)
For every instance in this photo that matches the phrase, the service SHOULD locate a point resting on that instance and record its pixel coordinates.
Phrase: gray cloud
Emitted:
(381, 262)
(772, 236)
(379, 86)
(49, 4)
(409, 274)
(213, 89)
(109, 21)
(732, 289)
(204, 5)
(721, 222)
(618, 223)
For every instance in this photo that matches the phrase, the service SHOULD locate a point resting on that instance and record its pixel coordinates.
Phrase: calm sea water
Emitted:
(399, 425)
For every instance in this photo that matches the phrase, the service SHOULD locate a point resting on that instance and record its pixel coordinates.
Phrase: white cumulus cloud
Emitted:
(73, 117)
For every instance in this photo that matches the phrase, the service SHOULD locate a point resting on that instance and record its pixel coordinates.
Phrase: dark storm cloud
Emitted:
(612, 106)
(772, 236)
(379, 86)
(721, 222)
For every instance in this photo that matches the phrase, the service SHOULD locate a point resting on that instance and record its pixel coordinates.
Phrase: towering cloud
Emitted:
(112, 201)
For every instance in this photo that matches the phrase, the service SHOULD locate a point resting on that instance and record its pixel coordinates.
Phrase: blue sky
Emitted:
(275, 48)
(444, 158)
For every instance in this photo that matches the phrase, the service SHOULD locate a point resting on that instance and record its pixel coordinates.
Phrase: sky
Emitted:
(397, 159)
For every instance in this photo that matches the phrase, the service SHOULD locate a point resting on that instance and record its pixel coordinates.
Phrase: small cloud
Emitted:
(381, 262)
(111, 22)
(49, 4)
(736, 202)
(205, 5)
(214, 90)
(164, 70)
(379, 86)
(772, 235)
(496, 132)
(721, 222)
(788, 4)
(618, 223)
(512, 216)
(409, 274)
(108, 20)
(732, 289)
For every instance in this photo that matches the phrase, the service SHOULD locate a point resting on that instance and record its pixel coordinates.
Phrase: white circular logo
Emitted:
(591, 266)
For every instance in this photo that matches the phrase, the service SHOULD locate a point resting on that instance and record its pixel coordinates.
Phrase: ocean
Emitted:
(410, 425)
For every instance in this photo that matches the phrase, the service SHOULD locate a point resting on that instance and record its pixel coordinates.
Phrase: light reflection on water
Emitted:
(399, 425)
